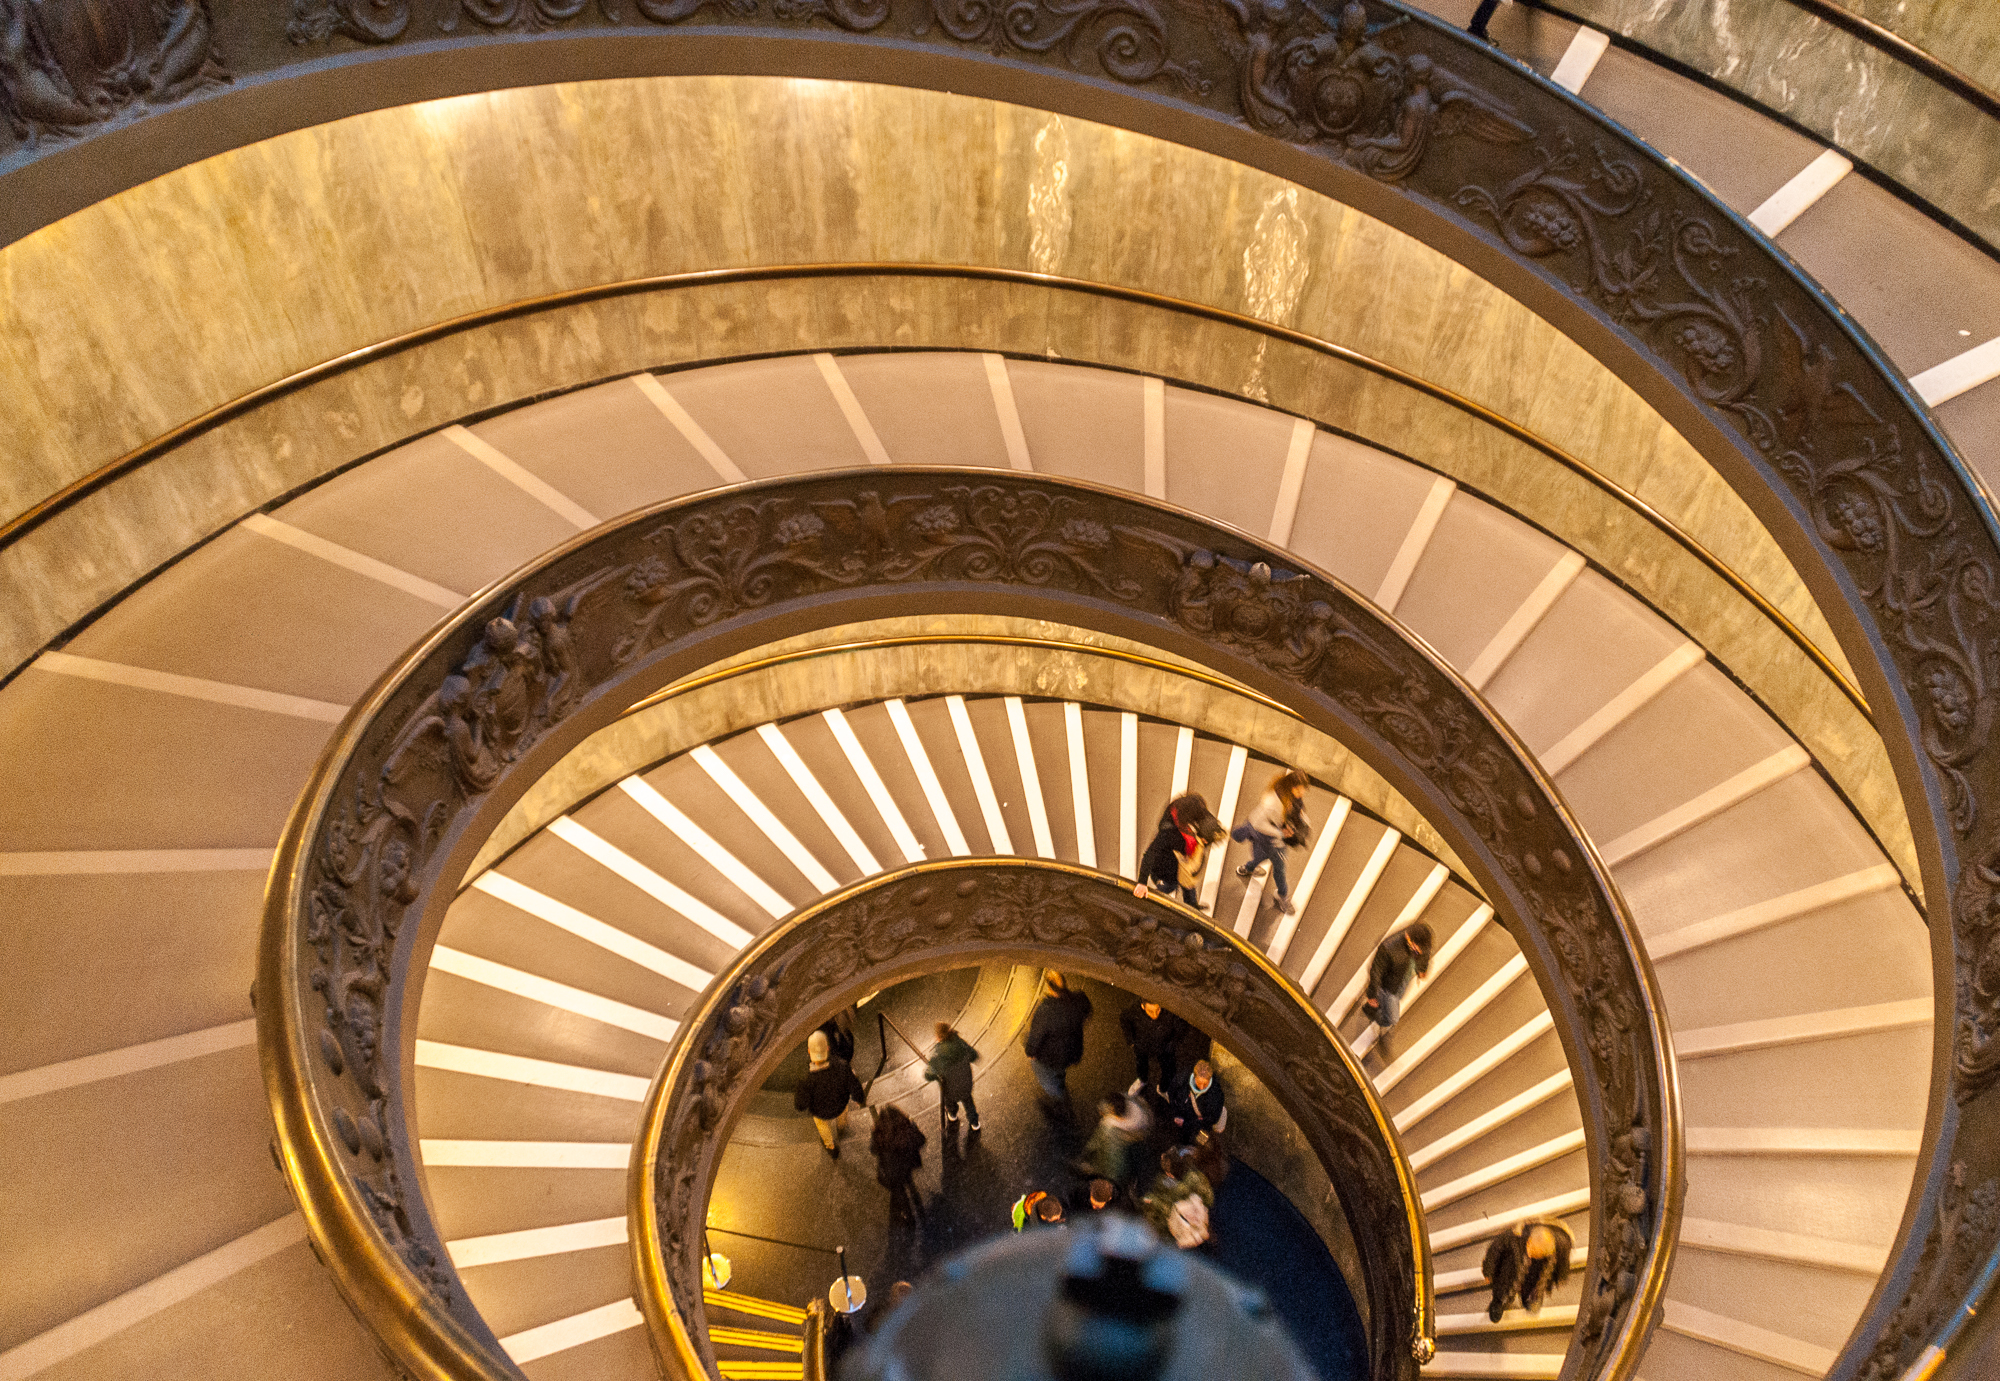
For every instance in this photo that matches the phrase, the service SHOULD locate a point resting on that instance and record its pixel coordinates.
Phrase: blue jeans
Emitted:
(1054, 1081)
(1388, 1006)
(1264, 849)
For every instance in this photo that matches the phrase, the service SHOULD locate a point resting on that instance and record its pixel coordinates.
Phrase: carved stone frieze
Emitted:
(961, 913)
(67, 65)
(584, 626)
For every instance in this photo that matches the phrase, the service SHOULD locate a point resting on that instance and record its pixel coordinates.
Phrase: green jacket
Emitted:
(951, 1066)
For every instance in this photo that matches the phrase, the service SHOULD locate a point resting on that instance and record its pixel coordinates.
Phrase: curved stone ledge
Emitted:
(88, 554)
(427, 764)
(914, 657)
(946, 914)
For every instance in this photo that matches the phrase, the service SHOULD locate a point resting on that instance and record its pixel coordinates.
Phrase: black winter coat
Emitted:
(1198, 1112)
(1151, 1035)
(1055, 1035)
(825, 1092)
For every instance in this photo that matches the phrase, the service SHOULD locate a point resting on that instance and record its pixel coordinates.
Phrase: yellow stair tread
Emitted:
(756, 1337)
(750, 1304)
(762, 1371)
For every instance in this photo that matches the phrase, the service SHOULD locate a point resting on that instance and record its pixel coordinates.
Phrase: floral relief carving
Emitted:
(67, 65)
(520, 666)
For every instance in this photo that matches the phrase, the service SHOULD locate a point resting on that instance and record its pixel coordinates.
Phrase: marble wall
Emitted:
(1857, 97)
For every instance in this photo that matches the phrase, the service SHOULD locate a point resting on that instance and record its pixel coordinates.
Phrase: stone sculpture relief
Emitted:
(66, 65)
(1067, 917)
(577, 628)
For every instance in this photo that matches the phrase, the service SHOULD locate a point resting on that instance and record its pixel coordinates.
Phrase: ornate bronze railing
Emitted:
(1385, 109)
(435, 754)
(963, 912)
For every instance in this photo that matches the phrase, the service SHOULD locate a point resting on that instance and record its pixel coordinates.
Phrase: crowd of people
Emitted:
(1174, 1113)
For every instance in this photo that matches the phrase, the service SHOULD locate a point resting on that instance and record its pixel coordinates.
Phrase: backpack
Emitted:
(1187, 1222)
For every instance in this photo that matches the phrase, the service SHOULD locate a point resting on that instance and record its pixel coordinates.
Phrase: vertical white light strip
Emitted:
(529, 1243)
(1357, 897)
(519, 1069)
(534, 486)
(596, 932)
(872, 783)
(1079, 786)
(130, 1059)
(1156, 439)
(1246, 910)
(927, 777)
(533, 1344)
(802, 777)
(982, 783)
(1031, 780)
(162, 1292)
(1579, 60)
(1710, 803)
(651, 883)
(561, 996)
(189, 687)
(1960, 374)
(1225, 809)
(690, 430)
(1284, 514)
(1525, 619)
(1309, 876)
(1183, 761)
(1008, 414)
(1328, 835)
(850, 408)
(678, 824)
(86, 862)
(1798, 195)
(1415, 542)
(1621, 707)
(1128, 794)
(348, 559)
(529, 1155)
(762, 816)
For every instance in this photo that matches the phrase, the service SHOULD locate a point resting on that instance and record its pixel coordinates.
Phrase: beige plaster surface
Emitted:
(237, 271)
(145, 310)
(848, 677)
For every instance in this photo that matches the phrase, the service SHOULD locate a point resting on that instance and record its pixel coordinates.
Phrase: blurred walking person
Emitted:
(1172, 863)
(1399, 960)
(950, 1068)
(1277, 822)
(1055, 1041)
(1154, 1034)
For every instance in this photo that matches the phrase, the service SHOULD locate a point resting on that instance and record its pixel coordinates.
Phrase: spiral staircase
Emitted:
(149, 756)
(1793, 963)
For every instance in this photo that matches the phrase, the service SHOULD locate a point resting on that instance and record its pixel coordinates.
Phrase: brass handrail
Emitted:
(955, 913)
(422, 765)
(83, 487)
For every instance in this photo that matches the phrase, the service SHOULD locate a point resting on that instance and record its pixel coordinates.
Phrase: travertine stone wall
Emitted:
(180, 295)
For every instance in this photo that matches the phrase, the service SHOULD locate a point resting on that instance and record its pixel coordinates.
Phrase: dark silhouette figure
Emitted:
(1154, 1034)
(898, 1146)
(1528, 1262)
(1404, 956)
(1172, 862)
(1055, 1041)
